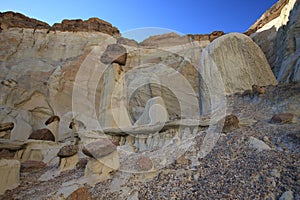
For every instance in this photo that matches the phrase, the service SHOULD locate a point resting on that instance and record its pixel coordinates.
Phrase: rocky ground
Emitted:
(232, 170)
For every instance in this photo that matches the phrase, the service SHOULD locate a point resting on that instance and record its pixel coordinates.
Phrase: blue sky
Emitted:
(185, 16)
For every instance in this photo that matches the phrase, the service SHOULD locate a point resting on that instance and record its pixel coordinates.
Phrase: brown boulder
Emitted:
(99, 148)
(114, 53)
(231, 122)
(67, 151)
(32, 164)
(79, 194)
(282, 118)
(42, 134)
(144, 163)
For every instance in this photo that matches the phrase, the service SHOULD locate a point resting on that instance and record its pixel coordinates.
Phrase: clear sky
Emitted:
(183, 16)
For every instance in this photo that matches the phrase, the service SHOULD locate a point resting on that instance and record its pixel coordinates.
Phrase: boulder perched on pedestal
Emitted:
(103, 159)
(68, 157)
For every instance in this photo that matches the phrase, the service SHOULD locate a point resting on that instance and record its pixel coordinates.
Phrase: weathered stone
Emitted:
(114, 53)
(98, 170)
(4, 153)
(276, 32)
(32, 164)
(39, 150)
(10, 174)
(155, 112)
(68, 163)
(258, 144)
(99, 148)
(282, 118)
(288, 195)
(113, 111)
(92, 24)
(231, 64)
(230, 123)
(144, 163)
(80, 194)
(67, 151)
(42, 134)
(11, 19)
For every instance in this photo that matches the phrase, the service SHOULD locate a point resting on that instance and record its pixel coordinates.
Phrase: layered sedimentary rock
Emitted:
(231, 64)
(277, 33)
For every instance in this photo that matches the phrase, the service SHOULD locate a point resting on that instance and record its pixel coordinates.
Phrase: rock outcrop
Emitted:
(230, 64)
(277, 33)
(16, 20)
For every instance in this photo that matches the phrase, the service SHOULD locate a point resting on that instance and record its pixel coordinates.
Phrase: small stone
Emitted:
(282, 118)
(67, 151)
(144, 163)
(275, 173)
(79, 194)
(42, 134)
(99, 148)
(258, 144)
(231, 123)
(183, 161)
(288, 195)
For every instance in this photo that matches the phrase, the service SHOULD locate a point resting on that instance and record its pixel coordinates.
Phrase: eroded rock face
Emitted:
(277, 33)
(92, 24)
(114, 53)
(230, 64)
(12, 20)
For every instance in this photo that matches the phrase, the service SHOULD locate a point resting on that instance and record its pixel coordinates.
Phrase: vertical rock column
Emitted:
(113, 111)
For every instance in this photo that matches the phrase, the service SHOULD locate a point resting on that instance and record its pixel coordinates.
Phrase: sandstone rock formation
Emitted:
(10, 174)
(231, 64)
(12, 20)
(92, 24)
(277, 33)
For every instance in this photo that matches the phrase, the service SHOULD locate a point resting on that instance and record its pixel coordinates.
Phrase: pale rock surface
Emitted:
(155, 112)
(231, 64)
(279, 40)
(68, 163)
(10, 174)
(99, 169)
(258, 144)
(113, 111)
